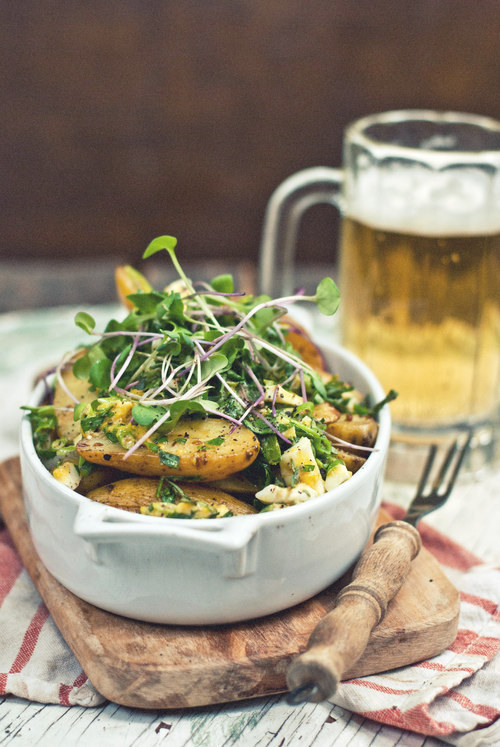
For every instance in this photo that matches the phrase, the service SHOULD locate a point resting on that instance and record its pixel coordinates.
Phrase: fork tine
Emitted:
(425, 501)
(439, 479)
(463, 451)
(427, 470)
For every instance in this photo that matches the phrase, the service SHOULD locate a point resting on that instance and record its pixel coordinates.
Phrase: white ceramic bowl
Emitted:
(211, 570)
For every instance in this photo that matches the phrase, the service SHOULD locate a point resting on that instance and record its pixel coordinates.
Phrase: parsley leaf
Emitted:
(168, 459)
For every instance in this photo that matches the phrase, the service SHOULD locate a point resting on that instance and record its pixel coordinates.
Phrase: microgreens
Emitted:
(202, 349)
(215, 348)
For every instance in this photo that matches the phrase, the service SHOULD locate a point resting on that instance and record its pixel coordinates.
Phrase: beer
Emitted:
(423, 311)
(419, 196)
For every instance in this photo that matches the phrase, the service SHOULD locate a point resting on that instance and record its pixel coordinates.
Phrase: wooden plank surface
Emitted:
(158, 666)
(134, 119)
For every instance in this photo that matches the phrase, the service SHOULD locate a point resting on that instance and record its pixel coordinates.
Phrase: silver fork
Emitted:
(340, 638)
(423, 503)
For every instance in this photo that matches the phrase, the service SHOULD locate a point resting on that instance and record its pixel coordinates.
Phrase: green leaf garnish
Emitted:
(146, 415)
(270, 448)
(168, 459)
(99, 373)
(43, 424)
(169, 492)
(85, 321)
(327, 297)
(167, 243)
(217, 441)
(223, 283)
(146, 303)
(213, 365)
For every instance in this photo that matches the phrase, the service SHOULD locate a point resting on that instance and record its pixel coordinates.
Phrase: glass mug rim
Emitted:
(356, 134)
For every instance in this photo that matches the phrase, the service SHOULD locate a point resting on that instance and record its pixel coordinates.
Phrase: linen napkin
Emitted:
(446, 696)
(458, 690)
(35, 661)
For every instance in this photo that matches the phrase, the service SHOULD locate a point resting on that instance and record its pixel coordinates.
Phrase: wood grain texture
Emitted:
(340, 638)
(157, 666)
(125, 120)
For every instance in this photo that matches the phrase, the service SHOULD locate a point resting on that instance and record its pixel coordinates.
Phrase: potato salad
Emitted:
(202, 402)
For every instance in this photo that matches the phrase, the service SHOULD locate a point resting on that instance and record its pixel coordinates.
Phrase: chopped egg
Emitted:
(118, 422)
(178, 286)
(336, 476)
(301, 474)
(286, 496)
(186, 509)
(68, 474)
(280, 395)
(298, 465)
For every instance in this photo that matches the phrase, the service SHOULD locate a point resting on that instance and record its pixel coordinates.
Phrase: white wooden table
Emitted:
(32, 341)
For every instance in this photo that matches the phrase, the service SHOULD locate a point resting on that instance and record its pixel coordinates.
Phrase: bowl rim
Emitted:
(336, 496)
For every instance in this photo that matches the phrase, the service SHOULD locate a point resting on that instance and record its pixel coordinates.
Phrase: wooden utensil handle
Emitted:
(340, 637)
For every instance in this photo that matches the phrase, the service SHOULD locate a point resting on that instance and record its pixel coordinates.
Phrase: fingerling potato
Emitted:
(358, 430)
(308, 351)
(326, 412)
(70, 475)
(97, 477)
(143, 494)
(236, 484)
(353, 462)
(202, 449)
(129, 280)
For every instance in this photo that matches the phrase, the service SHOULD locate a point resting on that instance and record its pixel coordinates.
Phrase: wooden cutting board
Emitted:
(162, 666)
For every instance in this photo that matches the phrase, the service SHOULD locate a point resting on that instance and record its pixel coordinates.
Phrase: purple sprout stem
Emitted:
(218, 342)
(303, 385)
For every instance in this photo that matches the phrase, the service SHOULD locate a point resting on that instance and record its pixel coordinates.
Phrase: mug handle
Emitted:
(287, 204)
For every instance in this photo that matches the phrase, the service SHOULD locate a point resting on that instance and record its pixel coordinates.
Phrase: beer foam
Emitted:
(416, 199)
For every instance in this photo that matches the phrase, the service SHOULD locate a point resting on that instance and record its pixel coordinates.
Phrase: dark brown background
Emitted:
(122, 120)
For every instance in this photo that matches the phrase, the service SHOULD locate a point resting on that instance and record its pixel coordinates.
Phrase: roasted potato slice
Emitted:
(203, 449)
(99, 476)
(64, 405)
(128, 280)
(136, 493)
(358, 430)
(326, 412)
(305, 347)
(352, 461)
(236, 485)
(70, 475)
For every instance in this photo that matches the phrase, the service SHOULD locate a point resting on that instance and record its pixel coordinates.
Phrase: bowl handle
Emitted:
(236, 541)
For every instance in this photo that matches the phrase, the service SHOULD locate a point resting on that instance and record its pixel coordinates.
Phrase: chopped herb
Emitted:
(92, 422)
(367, 410)
(168, 491)
(168, 459)
(111, 436)
(295, 478)
(43, 423)
(270, 448)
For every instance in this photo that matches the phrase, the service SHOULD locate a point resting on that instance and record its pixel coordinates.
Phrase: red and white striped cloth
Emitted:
(35, 661)
(459, 690)
(453, 693)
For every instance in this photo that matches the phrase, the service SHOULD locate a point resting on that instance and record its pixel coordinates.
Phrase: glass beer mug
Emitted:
(419, 195)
